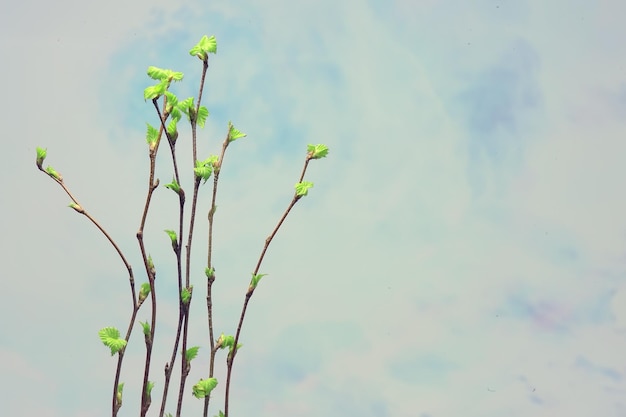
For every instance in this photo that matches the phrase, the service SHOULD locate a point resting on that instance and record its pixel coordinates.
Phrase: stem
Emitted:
(182, 315)
(152, 185)
(205, 67)
(120, 359)
(170, 365)
(194, 200)
(184, 309)
(185, 366)
(95, 223)
(114, 406)
(211, 279)
(145, 401)
(231, 356)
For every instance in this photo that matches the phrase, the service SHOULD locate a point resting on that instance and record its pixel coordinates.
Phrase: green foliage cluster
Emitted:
(170, 110)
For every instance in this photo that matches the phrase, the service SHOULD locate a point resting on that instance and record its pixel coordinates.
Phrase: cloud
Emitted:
(461, 251)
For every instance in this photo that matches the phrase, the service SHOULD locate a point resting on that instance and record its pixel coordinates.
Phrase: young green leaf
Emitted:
(144, 291)
(173, 238)
(204, 169)
(204, 47)
(225, 341)
(172, 130)
(203, 113)
(302, 188)
(255, 280)
(155, 91)
(204, 387)
(191, 353)
(120, 391)
(172, 101)
(149, 387)
(41, 155)
(151, 268)
(233, 133)
(146, 327)
(156, 73)
(152, 135)
(50, 171)
(173, 186)
(317, 151)
(209, 272)
(176, 76)
(185, 295)
(220, 414)
(161, 74)
(107, 333)
(172, 235)
(77, 207)
(152, 92)
(186, 105)
(110, 336)
(175, 114)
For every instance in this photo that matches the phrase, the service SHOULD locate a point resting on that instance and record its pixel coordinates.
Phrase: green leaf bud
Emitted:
(41, 155)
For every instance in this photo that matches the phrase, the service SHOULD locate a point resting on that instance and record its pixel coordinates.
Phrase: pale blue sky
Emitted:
(462, 251)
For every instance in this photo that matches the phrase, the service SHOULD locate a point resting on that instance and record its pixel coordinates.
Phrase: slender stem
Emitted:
(205, 67)
(185, 365)
(211, 279)
(95, 223)
(170, 365)
(184, 317)
(183, 310)
(80, 209)
(152, 185)
(194, 203)
(194, 200)
(231, 356)
(120, 359)
(145, 400)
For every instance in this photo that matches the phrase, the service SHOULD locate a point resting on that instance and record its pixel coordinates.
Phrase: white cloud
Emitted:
(497, 296)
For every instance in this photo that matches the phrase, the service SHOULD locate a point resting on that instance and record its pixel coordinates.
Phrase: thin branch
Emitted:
(131, 279)
(205, 67)
(211, 279)
(232, 354)
(194, 201)
(152, 185)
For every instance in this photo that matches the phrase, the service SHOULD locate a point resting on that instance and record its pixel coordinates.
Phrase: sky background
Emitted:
(462, 251)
